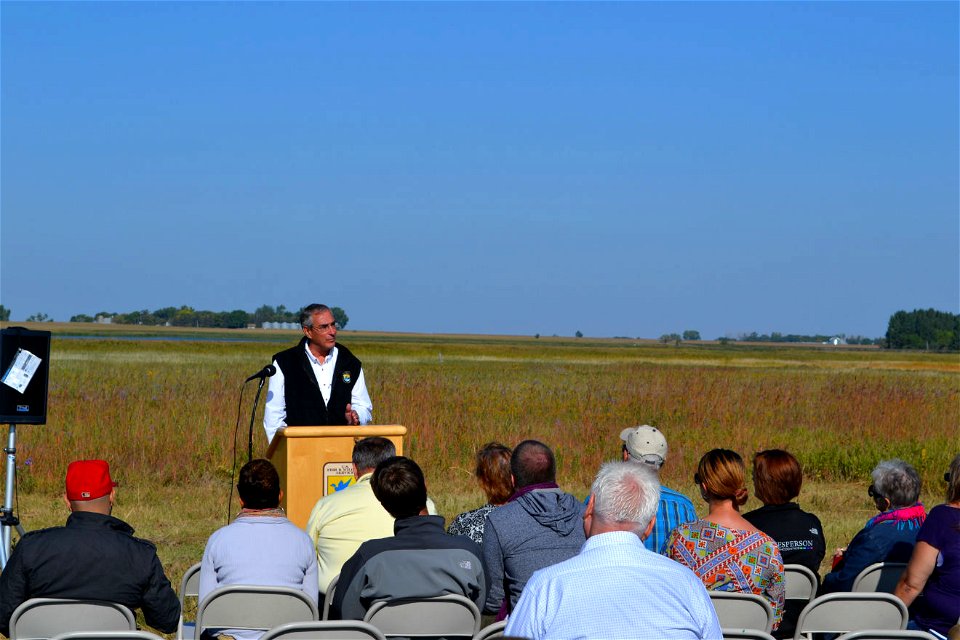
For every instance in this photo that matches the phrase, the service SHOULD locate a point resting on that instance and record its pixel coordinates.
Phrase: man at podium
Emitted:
(317, 382)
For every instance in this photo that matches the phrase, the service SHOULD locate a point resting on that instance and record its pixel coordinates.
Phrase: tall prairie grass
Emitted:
(164, 413)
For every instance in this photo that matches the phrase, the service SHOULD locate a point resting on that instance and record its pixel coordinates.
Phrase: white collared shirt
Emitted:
(275, 410)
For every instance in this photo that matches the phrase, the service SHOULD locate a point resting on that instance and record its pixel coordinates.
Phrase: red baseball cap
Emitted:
(88, 480)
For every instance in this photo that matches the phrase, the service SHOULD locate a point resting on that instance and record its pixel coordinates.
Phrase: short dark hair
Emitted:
(307, 313)
(259, 485)
(399, 485)
(493, 472)
(370, 452)
(777, 476)
(532, 463)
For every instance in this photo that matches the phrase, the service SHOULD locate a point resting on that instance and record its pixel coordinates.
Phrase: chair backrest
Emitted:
(491, 631)
(189, 600)
(881, 576)
(887, 634)
(745, 634)
(448, 616)
(241, 606)
(742, 610)
(328, 597)
(47, 617)
(325, 630)
(108, 635)
(847, 611)
(801, 583)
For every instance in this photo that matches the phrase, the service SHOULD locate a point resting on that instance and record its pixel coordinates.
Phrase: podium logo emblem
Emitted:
(337, 476)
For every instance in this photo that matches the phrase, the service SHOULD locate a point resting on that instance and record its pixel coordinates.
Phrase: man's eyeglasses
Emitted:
(873, 493)
(324, 328)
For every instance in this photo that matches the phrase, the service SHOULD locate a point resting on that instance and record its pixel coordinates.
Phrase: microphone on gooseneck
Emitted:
(266, 372)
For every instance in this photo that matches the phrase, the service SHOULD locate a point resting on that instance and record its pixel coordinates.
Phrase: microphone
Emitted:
(266, 372)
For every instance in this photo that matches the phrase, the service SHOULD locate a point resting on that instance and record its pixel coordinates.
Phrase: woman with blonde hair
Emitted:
(493, 476)
(723, 549)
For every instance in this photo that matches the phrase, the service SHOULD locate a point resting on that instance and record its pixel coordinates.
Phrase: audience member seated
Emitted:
(493, 476)
(723, 549)
(777, 478)
(260, 547)
(934, 568)
(647, 445)
(888, 536)
(94, 556)
(615, 587)
(421, 560)
(341, 521)
(539, 526)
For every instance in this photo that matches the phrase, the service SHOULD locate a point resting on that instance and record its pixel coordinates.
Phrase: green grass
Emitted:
(163, 412)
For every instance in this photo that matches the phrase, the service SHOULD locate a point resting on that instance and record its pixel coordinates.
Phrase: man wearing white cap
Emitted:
(646, 444)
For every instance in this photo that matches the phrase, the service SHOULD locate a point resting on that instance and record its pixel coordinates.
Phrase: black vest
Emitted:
(305, 406)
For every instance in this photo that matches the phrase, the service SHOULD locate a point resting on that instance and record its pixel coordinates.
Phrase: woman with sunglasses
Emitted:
(888, 536)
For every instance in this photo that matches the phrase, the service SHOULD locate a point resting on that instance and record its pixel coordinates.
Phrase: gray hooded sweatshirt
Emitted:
(534, 531)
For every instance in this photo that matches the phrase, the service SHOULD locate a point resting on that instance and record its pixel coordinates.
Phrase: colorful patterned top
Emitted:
(731, 560)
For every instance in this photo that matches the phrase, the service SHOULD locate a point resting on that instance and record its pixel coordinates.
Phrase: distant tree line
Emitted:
(926, 329)
(189, 317)
(794, 337)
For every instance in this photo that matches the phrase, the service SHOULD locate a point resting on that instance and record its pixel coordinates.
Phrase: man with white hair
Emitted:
(647, 445)
(616, 588)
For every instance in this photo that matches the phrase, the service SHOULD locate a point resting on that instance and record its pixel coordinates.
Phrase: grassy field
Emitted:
(164, 411)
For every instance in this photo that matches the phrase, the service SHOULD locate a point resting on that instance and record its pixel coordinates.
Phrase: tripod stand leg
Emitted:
(6, 529)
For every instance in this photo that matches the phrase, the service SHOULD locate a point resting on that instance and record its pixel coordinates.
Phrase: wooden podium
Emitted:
(313, 461)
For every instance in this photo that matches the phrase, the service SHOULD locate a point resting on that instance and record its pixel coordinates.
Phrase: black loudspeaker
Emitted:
(30, 349)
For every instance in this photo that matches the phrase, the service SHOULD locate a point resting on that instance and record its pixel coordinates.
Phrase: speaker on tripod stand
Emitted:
(24, 379)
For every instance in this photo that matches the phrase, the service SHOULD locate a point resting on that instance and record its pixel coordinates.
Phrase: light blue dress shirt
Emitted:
(614, 588)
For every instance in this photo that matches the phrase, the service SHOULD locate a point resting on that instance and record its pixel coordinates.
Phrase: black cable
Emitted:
(233, 472)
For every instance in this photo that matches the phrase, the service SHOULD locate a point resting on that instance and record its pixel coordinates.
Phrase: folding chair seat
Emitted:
(887, 634)
(254, 607)
(445, 616)
(848, 611)
(108, 635)
(880, 576)
(742, 610)
(745, 634)
(325, 630)
(48, 617)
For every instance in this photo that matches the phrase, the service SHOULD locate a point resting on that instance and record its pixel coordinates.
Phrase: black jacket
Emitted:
(798, 534)
(94, 556)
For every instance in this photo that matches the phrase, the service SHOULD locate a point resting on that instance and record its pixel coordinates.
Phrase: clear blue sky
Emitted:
(615, 168)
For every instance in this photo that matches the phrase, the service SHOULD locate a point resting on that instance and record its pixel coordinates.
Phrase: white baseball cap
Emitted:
(645, 442)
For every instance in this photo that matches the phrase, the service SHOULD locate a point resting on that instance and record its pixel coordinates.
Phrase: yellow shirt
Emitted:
(341, 522)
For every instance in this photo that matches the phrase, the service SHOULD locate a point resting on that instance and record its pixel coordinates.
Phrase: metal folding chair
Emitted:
(253, 607)
(447, 616)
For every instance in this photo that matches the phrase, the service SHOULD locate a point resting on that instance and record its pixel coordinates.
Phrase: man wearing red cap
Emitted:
(94, 556)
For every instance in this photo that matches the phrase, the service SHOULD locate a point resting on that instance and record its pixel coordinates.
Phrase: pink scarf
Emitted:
(916, 513)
